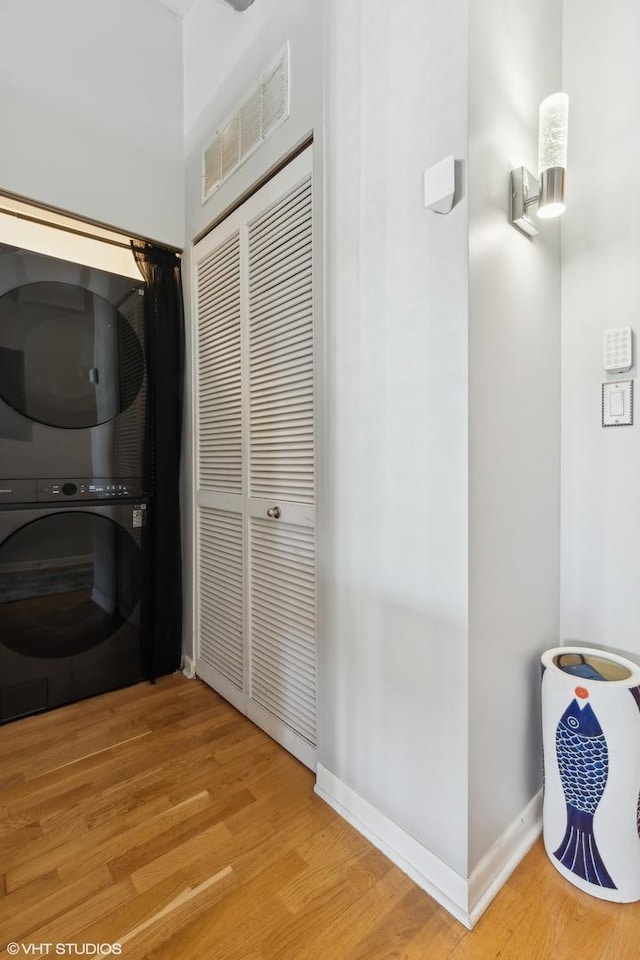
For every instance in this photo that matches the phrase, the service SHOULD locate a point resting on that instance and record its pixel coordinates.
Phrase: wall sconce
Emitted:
(546, 193)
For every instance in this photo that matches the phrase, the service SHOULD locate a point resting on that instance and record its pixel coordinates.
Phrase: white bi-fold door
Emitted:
(255, 445)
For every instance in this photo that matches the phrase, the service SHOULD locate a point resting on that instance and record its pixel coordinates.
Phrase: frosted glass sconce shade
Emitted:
(552, 135)
(547, 193)
(552, 155)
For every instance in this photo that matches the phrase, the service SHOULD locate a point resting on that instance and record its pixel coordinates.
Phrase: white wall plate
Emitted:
(617, 403)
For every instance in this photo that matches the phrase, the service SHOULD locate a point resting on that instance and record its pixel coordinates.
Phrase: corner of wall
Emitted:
(465, 899)
(430, 873)
(514, 408)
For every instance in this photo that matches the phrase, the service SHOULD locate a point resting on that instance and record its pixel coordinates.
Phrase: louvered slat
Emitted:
(269, 220)
(211, 166)
(219, 369)
(281, 349)
(283, 623)
(283, 299)
(231, 146)
(220, 567)
(274, 96)
(250, 123)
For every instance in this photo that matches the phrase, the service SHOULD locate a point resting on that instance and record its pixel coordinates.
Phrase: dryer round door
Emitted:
(68, 357)
(68, 582)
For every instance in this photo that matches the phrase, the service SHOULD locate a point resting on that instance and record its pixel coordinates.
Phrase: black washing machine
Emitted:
(71, 583)
(73, 378)
(73, 489)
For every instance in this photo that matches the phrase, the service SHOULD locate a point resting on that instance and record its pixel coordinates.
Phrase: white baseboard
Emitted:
(503, 857)
(431, 873)
(188, 667)
(466, 899)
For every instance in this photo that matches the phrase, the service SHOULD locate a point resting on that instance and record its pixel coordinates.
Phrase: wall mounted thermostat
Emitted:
(617, 403)
(617, 349)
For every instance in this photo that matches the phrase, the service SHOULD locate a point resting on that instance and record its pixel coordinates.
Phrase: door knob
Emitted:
(274, 512)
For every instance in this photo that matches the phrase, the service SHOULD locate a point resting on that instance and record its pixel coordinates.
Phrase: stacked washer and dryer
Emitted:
(74, 497)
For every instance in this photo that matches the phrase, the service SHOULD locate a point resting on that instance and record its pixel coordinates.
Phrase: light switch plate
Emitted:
(617, 403)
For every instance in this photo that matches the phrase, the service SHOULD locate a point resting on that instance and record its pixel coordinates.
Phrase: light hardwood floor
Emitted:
(159, 818)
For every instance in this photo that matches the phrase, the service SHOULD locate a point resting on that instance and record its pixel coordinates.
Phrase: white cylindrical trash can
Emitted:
(591, 740)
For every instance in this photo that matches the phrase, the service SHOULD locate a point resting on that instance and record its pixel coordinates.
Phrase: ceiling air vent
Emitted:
(259, 114)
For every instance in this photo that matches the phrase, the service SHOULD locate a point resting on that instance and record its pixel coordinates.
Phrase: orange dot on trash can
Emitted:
(582, 693)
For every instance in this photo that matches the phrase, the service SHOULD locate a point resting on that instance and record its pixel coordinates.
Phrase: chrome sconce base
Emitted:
(525, 191)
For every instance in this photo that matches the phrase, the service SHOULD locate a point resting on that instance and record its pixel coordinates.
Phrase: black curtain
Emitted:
(161, 625)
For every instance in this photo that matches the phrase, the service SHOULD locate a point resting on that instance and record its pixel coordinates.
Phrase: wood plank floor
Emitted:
(160, 819)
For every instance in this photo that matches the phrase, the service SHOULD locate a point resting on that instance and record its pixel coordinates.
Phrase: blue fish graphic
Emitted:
(583, 762)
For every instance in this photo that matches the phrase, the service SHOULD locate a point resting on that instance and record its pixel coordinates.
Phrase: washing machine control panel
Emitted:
(18, 491)
(94, 488)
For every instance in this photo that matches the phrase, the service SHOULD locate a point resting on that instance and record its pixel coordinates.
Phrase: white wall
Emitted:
(394, 650)
(601, 289)
(514, 415)
(392, 518)
(91, 96)
(439, 515)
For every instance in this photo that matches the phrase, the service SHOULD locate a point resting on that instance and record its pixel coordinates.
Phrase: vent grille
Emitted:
(261, 112)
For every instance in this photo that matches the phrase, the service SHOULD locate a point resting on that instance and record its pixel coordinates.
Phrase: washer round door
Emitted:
(68, 583)
(68, 357)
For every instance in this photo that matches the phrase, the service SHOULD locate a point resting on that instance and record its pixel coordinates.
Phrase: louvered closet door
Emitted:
(257, 557)
(282, 566)
(220, 506)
